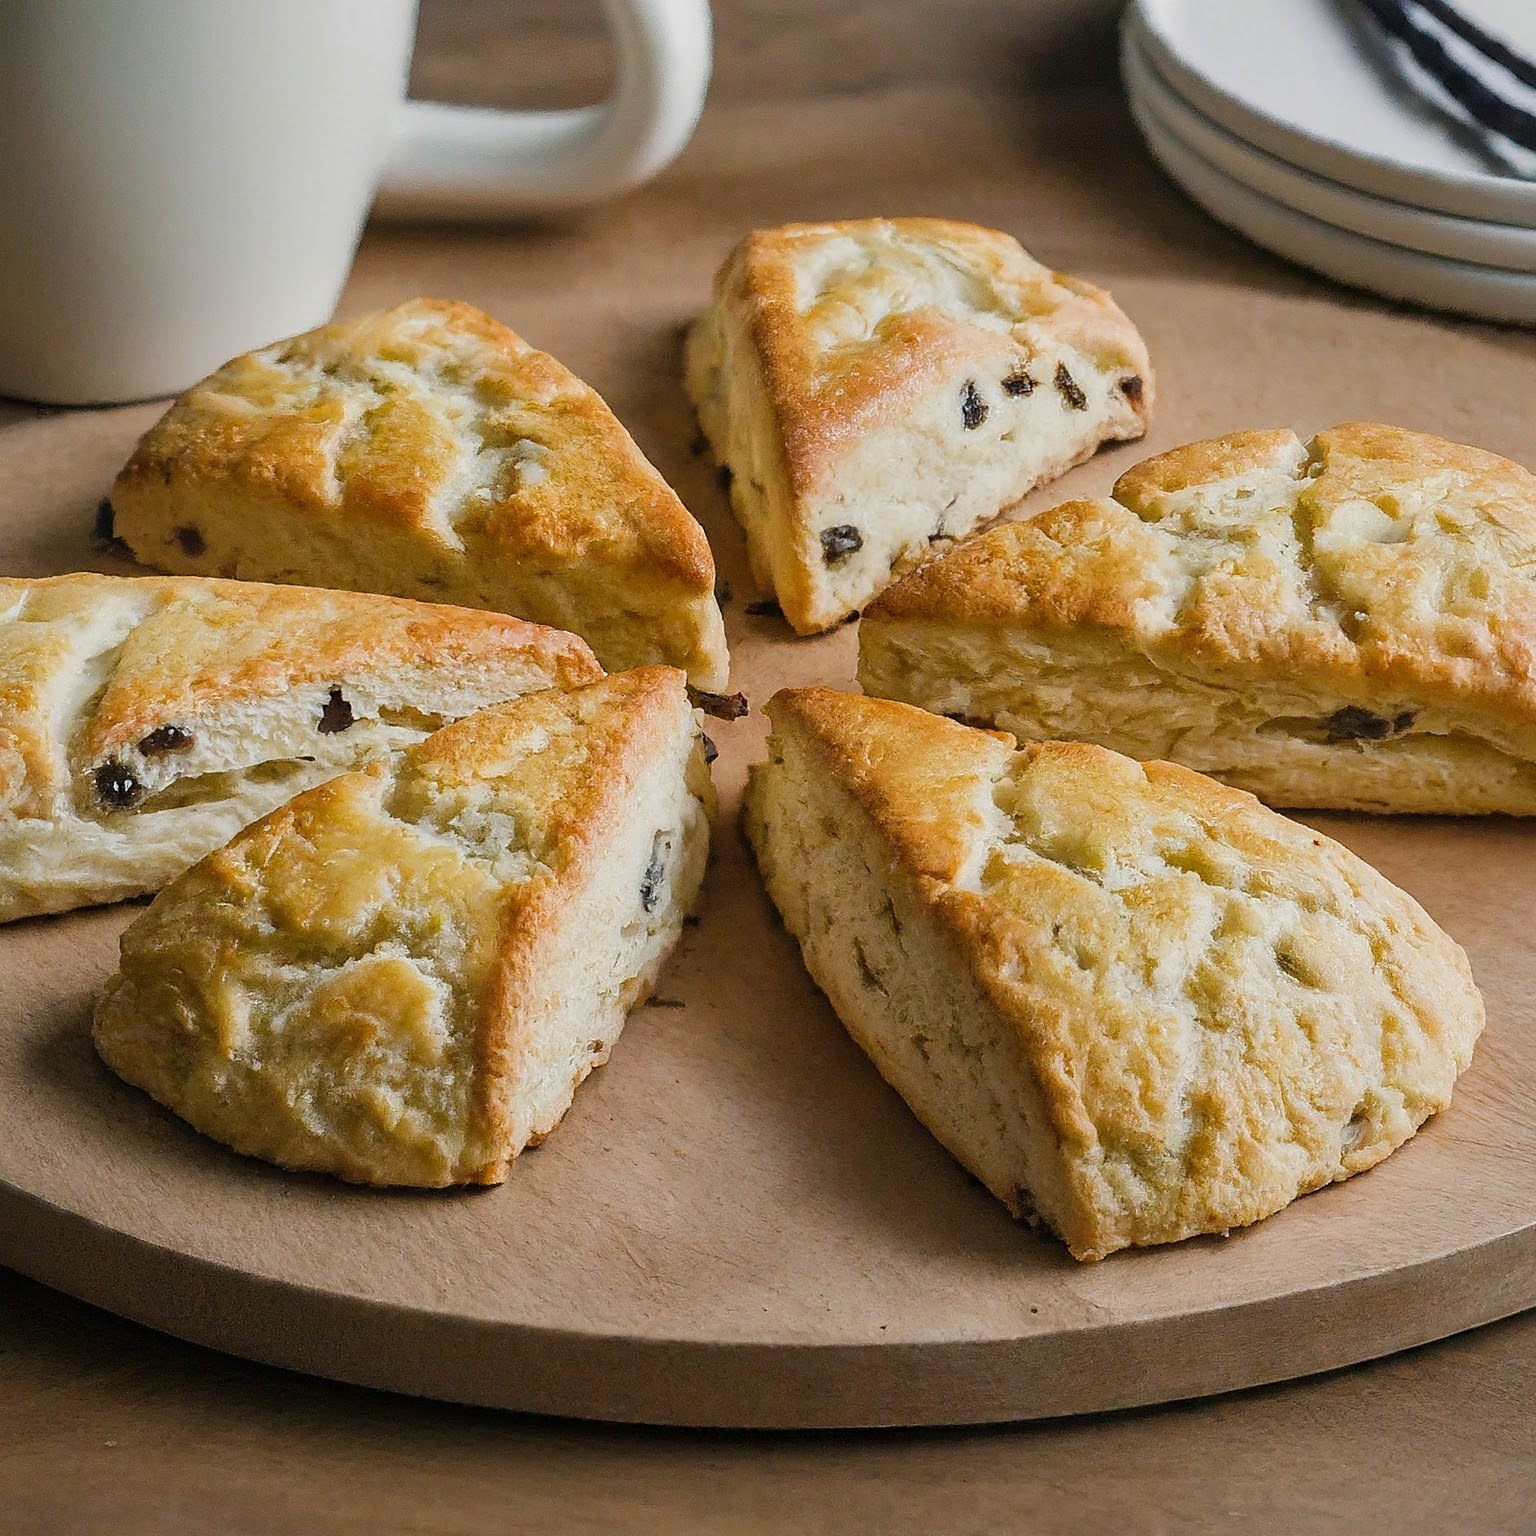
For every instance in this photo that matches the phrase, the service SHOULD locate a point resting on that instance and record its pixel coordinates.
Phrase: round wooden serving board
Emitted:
(739, 1223)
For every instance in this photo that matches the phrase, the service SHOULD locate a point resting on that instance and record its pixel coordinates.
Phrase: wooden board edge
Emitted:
(764, 1386)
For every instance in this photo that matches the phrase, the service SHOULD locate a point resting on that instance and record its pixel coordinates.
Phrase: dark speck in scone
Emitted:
(116, 786)
(1071, 390)
(1355, 724)
(973, 409)
(166, 738)
(650, 881)
(840, 542)
(336, 715)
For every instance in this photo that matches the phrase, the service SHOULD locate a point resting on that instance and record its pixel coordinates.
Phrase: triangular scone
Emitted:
(403, 975)
(878, 384)
(145, 720)
(1132, 1001)
(1346, 623)
(430, 452)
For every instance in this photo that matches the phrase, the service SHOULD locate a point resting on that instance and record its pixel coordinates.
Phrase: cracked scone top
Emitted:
(1348, 622)
(874, 385)
(403, 975)
(1132, 1001)
(429, 451)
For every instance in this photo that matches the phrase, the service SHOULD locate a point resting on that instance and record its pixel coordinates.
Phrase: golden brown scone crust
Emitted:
(428, 451)
(908, 378)
(1156, 1008)
(1347, 623)
(193, 702)
(402, 975)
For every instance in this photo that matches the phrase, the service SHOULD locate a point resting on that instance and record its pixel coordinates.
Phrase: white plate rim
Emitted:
(1436, 282)
(1508, 246)
(1468, 195)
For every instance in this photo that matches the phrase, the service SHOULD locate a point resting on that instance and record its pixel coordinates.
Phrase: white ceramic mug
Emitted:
(182, 180)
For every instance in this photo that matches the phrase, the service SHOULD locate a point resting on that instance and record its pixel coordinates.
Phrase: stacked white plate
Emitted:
(1274, 117)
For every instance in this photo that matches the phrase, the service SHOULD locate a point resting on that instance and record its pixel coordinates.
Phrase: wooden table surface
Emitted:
(1002, 111)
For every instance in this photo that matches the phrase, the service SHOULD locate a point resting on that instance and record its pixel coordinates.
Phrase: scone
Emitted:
(429, 452)
(1136, 1004)
(1348, 623)
(145, 720)
(875, 385)
(403, 975)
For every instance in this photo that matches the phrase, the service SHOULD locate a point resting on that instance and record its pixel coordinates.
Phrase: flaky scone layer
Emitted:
(1132, 1001)
(875, 385)
(428, 451)
(145, 720)
(1346, 623)
(403, 975)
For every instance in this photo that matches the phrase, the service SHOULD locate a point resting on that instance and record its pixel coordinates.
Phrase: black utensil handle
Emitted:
(1490, 47)
(1488, 108)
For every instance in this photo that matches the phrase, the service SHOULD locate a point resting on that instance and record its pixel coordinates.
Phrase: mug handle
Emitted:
(474, 162)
